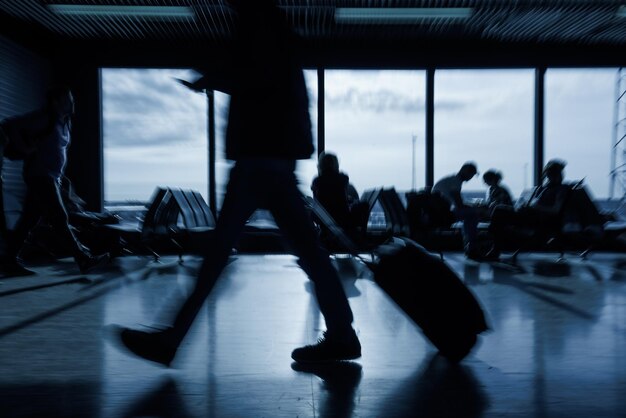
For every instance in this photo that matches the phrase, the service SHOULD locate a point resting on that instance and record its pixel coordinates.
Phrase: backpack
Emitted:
(19, 134)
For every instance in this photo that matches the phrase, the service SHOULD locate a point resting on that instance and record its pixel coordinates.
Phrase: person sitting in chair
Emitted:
(450, 188)
(540, 215)
(332, 188)
(497, 193)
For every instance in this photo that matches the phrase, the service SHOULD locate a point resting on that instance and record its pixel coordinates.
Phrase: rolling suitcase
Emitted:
(424, 287)
(432, 295)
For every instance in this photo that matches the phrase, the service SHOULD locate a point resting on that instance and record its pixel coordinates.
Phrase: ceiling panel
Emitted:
(570, 23)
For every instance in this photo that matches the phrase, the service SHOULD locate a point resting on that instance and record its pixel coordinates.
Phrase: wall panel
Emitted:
(24, 77)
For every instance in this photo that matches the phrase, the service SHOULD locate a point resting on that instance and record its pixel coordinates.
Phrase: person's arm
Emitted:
(554, 208)
(351, 194)
(457, 198)
(210, 80)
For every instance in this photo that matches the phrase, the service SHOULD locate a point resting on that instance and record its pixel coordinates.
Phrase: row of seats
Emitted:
(176, 219)
(573, 233)
(180, 220)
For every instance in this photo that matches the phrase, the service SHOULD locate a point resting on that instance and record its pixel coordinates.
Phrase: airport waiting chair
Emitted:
(431, 222)
(395, 213)
(158, 224)
(400, 223)
(175, 220)
(337, 240)
(197, 221)
(579, 228)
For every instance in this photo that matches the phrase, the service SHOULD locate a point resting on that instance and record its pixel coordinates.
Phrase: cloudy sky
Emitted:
(155, 130)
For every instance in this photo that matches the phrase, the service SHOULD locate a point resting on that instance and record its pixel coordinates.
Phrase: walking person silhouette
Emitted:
(43, 137)
(269, 129)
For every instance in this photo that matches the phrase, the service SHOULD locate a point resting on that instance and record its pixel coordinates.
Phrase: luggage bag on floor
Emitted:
(432, 295)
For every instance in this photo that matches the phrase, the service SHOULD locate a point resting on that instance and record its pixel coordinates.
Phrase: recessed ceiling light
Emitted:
(398, 14)
(132, 11)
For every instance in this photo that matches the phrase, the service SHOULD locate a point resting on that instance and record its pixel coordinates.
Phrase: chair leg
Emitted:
(584, 254)
(561, 249)
(514, 256)
(180, 250)
(155, 255)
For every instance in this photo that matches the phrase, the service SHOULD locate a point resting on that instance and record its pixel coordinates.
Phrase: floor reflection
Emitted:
(339, 386)
(164, 400)
(437, 388)
(557, 347)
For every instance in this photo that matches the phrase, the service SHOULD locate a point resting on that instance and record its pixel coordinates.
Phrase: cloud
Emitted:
(374, 101)
(149, 108)
(384, 100)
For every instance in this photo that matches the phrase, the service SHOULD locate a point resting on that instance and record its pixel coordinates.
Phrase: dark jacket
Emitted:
(269, 104)
(331, 190)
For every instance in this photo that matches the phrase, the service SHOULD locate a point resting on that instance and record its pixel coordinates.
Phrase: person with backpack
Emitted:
(41, 138)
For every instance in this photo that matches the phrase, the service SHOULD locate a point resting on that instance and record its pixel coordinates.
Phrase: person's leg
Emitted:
(31, 213)
(340, 341)
(47, 194)
(9, 266)
(500, 218)
(295, 223)
(504, 221)
(239, 203)
(53, 211)
(469, 217)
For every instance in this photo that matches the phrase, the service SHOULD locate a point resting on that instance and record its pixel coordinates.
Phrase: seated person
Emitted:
(450, 188)
(333, 190)
(541, 214)
(497, 193)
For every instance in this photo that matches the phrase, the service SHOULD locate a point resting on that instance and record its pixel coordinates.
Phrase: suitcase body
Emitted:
(432, 295)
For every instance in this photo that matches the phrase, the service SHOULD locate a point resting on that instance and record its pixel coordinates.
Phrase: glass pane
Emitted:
(222, 165)
(375, 124)
(579, 124)
(485, 116)
(154, 133)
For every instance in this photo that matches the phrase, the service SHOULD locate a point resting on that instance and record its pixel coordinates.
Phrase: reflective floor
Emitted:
(557, 347)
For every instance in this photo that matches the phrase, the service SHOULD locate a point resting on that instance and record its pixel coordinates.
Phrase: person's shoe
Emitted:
(329, 348)
(93, 262)
(12, 268)
(152, 346)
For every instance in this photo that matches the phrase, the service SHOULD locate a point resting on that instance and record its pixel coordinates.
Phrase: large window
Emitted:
(375, 124)
(485, 116)
(155, 130)
(579, 124)
(154, 133)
